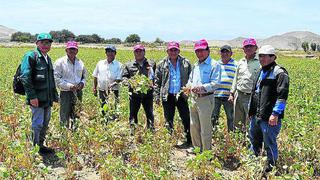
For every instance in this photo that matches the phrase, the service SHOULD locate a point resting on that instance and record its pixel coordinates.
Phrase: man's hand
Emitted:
(198, 89)
(80, 86)
(186, 90)
(158, 102)
(273, 120)
(34, 102)
(113, 84)
(231, 98)
(73, 88)
(95, 93)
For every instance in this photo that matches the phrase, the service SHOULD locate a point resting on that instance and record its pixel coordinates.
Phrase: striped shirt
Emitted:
(68, 74)
(228, 72)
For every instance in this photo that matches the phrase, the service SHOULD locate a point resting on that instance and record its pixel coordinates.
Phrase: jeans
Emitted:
(261, 132)
(40, 123)
(228, 108)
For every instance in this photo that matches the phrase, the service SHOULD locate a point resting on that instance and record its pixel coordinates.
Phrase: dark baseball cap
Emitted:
(226, 47)
(111, 47)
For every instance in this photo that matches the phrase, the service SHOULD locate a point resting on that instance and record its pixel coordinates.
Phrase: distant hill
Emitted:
(287, 41)
(5, 33)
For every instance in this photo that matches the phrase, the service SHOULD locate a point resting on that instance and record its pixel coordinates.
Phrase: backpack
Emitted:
(17, 82)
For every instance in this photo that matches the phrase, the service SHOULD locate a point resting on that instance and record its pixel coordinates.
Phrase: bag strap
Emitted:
(34, 61)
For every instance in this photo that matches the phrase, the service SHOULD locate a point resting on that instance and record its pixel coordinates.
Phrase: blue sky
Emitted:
(167, 19)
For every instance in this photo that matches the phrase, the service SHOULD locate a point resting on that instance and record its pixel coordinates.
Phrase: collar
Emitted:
(143, 62)
(39, 52)
(106, 61)
(68, 60)
(178, 60)
(255, 58)
(207, 61)
(269, 66)
(230, 61)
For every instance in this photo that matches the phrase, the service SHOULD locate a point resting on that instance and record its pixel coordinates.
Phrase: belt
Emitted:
(248, 94)
(173, 94)
(204, 94)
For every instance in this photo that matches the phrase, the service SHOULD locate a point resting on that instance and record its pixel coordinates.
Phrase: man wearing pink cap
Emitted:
(203, 81)
(246, 73)
(172, 75)
(70, 76)
(141, 65)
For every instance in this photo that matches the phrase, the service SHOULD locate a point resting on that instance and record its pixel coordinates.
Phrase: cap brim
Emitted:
(225, 49)
(173, 47)
(138, 49)
(200, 47)
(250, 44)
(69, 47)
(44, 39)
(111, 49)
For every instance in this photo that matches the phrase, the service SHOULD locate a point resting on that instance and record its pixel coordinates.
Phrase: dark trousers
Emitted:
(147, 103)
(104, 98)
(169, 108)
(68, 101)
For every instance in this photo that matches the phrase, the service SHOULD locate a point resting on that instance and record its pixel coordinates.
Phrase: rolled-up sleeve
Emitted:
(58, 76)
(215, 79)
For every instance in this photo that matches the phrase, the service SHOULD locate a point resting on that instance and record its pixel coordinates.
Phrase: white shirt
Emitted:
(107, 73)
(67, 74)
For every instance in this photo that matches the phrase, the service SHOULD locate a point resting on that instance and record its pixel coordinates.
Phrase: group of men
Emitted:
(253, 89)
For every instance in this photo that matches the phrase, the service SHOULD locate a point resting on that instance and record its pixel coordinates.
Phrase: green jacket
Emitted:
(162, 76)
(38, 79)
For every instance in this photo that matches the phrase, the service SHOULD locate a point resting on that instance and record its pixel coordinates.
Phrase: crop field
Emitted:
(100, 150)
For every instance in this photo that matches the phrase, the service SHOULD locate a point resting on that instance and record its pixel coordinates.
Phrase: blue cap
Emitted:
(111, 47)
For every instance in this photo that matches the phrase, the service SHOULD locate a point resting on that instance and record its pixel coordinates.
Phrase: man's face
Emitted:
(111, 55)
(139, 54)
(266, 59)
(250, 50)
(72, 53)
(202, 54)
(44, 46)
(173, 53)
(225, 55)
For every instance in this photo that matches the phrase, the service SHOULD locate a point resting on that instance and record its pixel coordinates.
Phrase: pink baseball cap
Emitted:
(138, 46)
(201, 44)
(173, 45)
(72, 44)
(249, 41)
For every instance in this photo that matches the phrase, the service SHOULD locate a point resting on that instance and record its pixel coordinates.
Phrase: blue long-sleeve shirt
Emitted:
(206, 74)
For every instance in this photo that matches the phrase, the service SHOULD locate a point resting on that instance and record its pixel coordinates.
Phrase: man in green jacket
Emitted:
(38, 81)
